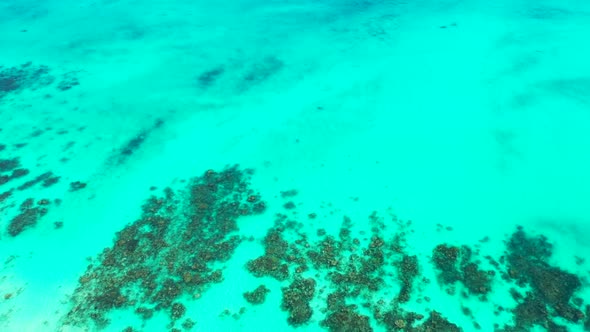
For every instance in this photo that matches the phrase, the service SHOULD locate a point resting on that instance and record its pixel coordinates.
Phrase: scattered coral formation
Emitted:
(10, 170)
(28, 217)
(171, 251)
(28, 76)
(353, 276)
(137, 141)
(551, 288)
(209, 77)
(28, 213)
(347, 319)
(77, 185)
(349, 281)
(455, 265)
(296, 298)
(5, 195)
(260, 72)
(9, 164)
(68, 81)
(353, 270)
(25, 76)
(273, 263)
(47, 179)
(257, 296)
(436, 322)
(407, 271)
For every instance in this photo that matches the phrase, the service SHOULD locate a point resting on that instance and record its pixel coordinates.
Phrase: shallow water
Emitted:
(391, 126)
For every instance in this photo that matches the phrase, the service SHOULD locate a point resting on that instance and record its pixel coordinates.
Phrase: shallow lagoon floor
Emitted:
(387, 153)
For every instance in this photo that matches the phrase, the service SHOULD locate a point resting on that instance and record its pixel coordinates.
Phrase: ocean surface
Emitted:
(282, 165)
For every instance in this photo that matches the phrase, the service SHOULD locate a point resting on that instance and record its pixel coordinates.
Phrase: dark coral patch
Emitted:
(28, 217)
(209, 77)
(552, 288)
(455, 264)
(135, 143)
(260, 72)
(24, 77)
(347, 319)
(408, 271)
(257, 296)
(77, 185)
(174, 249)
(7, 165)
(296, 298)
(47, 178)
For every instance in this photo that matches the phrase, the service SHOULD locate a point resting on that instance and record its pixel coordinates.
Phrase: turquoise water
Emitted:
(374, 165)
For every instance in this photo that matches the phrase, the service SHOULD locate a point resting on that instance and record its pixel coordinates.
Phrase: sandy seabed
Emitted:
(337, 165)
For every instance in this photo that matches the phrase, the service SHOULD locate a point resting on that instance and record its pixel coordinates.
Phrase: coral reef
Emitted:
(552, 289)
(296, 298)
(28, 217)
(23, 77)
(171, 251)
(257, 296)
(454, 265)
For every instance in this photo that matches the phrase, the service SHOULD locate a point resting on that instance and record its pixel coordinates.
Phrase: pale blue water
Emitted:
(394, 147)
